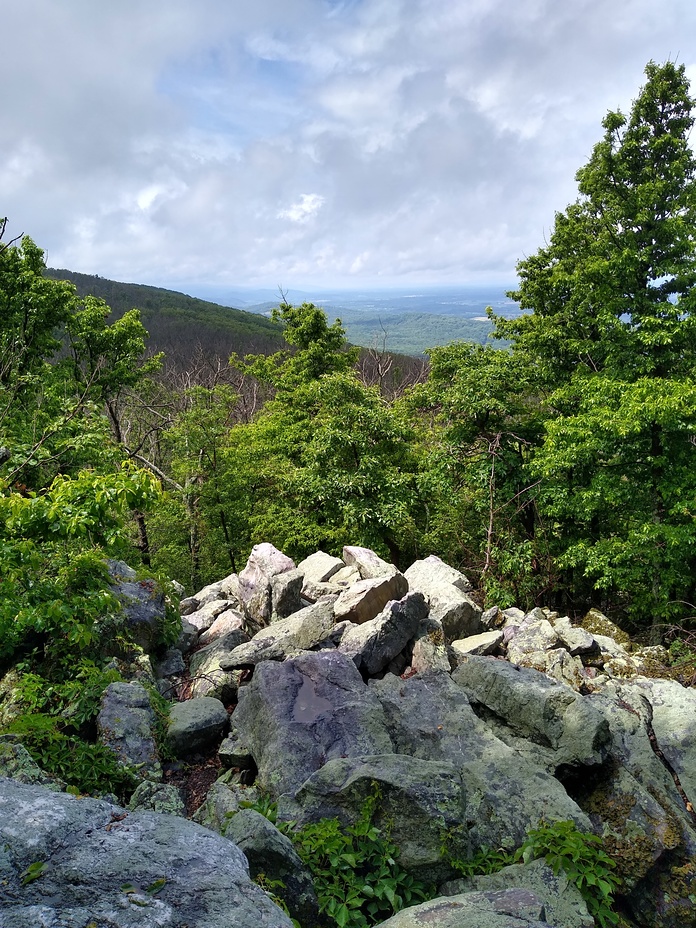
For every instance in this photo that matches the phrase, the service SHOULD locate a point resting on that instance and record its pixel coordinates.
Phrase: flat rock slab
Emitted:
(196, 724)
(297, 715)
(512, 908)
(320, 567)
(92, 848)
(365, 599)
(421, 575)
(485, 643)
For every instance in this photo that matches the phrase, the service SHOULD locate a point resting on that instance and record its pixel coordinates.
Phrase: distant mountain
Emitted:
(179, 324)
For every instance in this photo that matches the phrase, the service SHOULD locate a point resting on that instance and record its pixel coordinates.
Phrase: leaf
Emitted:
(32, 872)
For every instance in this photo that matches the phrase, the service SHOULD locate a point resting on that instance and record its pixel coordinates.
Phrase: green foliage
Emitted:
(485, 861)
(583, 860)
(355, 869)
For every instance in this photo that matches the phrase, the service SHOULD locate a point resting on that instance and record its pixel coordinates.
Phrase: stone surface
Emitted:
(272, 854)
(17, 764)
(372, 645)
(537, 707)
(365, 599)
(171, 665)
(511, 908)
(157, 797)
(368, 564)
(429, 647)
(298, 715)
(452, 607)
(575, 639)
(125, 724)
(485, 643)
(286, 594)
(537, 636)
(420, 801)
(265, 562)
(424, 573)
(563, 904)
(92, 849)
(208, 678)
(301, 631)
(319, 567)
(143, 608)
(228, 621)
(196, 724)
(203, 618)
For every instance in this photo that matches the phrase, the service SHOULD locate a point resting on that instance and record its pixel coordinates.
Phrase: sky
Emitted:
(311, 143)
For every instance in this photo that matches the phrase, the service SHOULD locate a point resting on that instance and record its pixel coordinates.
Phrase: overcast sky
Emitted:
(311, 142)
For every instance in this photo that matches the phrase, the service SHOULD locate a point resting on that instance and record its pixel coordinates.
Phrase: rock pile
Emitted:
(346, 673)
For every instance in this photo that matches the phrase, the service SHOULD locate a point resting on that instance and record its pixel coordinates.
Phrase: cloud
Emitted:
(370, 141)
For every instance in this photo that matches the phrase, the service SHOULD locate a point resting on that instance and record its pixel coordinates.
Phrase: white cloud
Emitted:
(171, 142)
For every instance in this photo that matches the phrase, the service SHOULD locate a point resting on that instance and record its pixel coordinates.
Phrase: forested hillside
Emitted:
(559, 470)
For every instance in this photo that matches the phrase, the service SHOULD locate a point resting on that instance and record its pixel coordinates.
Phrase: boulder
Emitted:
(305, 629)
(297, 715)
(196, 724)
(368, 564)
(286, 594)
(17, 764)
(208, 678)
(222, 801)
(421, 575)
(365, 599)
(265, 562)
(429, 648)
(228, 621)
(142, 602)
(575, 639)
(563, 904)
(372, 645)
(187, 637)
(319, 567)
(507, 908)
(203, 618)
(272, 855)
(535, 706)
(485, 643)
(531, 638)
(157, 797)
(172, 664)
(107, 866)
(419, 802)
(126, 724)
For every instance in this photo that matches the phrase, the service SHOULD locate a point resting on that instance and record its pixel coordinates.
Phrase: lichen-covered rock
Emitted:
(196, 724)
(297, 715)
(17, 764)
(272, 854)
(301, 631)
(255, 593)
(143, 607)
(126, 725)
(100, 861)
(536, 636)
(596, 623)
(445, 592)
(508, 908)
(372, 645)
(157, 797)
(369, 564)
(563, 904)
(421, 575)
(208, 677)
(429, 647)
(575, 639)
(420, 801)
(222, 801)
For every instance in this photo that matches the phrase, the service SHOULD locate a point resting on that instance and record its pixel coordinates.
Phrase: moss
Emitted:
(597, 623)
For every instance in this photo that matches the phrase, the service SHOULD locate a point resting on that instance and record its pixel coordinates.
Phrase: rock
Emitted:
(203, 618)
(297, 715)
(457, 612)
(419, 802)
(92, 849)
(510, 908)
(374, 644)
(143, 608)
(421, 575)
(222, 801)
(187, 637)
(369, 564)
(485, 643)
(301, 631)
(17, 764)
(265, 562)
(429, 648)
(575, 640)
(286, 590)
(563, 904)
(512, 616)
(537, 636)
(235, 753)
(428, 716)
(208, 678)
(319, 567)
(171, 665)
(347, 576)
(196, 724)
(125, 724)
(272, 854)
(228, 621)
(491, 619)
(157, 797)
(596, 623)
(559, 664)
(533, 705)
(365, 599)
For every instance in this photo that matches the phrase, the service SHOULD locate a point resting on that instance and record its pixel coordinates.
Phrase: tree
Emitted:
(612, 337)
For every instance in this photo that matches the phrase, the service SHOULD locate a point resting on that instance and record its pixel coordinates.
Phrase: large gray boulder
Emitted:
(365, 599)
(507, 908)
(272, 855)
(420, 803)
(296, 716)
(429, 717)
(196, 724)
(564, 906)
(445, 592)
(107, 867)
(374, 644)
(423, 574)
(538, 708)
(255, 592)
(301, 631)
(142, 603)
(208, 678)
(125, 724)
